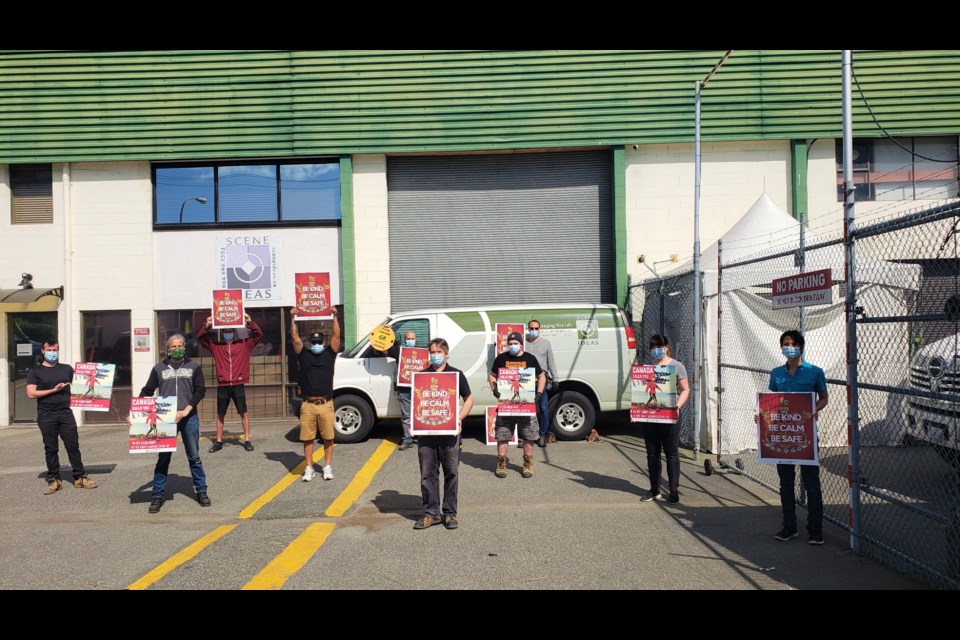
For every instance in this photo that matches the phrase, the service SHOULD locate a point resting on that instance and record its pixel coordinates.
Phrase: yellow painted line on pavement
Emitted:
(292, 558)
(188, 553)
(362, 480)
(271, 493)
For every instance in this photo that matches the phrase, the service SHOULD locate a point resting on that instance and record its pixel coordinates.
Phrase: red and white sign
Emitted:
(518, 391)
(802, 290)
(412, 360)
(313, 296)
(141, 339)
(787, 428)
(435, 403)
(503, 331)
(491, 432)
(227, 308)
(153, 428)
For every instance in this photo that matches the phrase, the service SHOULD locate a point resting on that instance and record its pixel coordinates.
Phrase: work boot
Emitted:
(55, 485)
(84, 483)
(527, 467)
(501, 471)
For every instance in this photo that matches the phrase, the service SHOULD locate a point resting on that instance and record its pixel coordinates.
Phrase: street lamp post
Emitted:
(201, 200)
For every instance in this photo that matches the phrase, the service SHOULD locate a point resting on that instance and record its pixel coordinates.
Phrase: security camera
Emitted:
(640, 259)
(635, 147)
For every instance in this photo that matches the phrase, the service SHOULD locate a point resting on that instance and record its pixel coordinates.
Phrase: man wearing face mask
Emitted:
(317, 364)
(49, 384)
(442, 451)
(182, 377)
(403, 393)
(797, 375)
(541, 348)
(232, 360)
(516, 358)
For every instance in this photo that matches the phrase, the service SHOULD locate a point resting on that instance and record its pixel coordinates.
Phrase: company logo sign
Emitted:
(249, 263)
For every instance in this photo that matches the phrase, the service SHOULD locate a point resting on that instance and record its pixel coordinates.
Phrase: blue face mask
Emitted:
(228, 337)
(51, 356)
(790, 353)
(533, 333)
(657, 352)
(316, 348)
(514, 349)
(411, 343)
(436, 359)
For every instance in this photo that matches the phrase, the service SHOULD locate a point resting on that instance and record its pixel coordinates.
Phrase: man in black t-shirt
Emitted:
(317, 363)
(49, 384)
(516, 358)
(442, 451)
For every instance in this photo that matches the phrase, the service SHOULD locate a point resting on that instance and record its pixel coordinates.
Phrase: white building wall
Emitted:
(660, 195)
(372, 240)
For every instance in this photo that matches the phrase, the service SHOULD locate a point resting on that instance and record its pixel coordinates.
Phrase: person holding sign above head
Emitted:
(442, 451)
(403, 392)
(182, 377)
(516, 358)
(49, 384)
(232, 359)
(664, 434)
(797, 375)
(317, 363)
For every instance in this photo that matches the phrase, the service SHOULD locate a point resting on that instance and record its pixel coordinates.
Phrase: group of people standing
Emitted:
(177, 375)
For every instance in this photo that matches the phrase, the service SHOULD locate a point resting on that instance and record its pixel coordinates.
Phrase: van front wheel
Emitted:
(354, 418)
(572, 416)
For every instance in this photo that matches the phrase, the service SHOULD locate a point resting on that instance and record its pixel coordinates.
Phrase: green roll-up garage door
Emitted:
(500, 229)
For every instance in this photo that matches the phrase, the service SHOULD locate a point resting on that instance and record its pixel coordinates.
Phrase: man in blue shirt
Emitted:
(797, 375)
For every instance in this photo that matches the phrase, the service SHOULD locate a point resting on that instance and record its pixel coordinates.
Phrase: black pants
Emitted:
(436, 452)
(810, 475)
(665, 438)
(64, 425)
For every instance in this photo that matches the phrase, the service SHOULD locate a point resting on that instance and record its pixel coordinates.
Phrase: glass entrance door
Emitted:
(27, 331)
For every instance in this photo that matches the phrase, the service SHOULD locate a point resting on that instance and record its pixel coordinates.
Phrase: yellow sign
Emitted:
(382, 338)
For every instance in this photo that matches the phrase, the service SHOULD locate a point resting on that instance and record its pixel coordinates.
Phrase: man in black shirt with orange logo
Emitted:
(516, 358)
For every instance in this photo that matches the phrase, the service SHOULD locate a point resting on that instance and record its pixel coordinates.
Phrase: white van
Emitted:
(593, 345)
(936, 369)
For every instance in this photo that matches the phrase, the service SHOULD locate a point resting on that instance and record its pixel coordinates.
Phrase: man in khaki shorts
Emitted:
(316, 388)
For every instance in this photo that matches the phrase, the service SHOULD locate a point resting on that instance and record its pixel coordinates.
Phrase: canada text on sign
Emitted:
(802, 290)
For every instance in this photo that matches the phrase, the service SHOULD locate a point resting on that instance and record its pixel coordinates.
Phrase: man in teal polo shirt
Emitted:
(797, 375)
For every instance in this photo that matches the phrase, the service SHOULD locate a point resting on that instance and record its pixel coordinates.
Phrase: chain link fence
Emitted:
(894, 480)
(664, 305)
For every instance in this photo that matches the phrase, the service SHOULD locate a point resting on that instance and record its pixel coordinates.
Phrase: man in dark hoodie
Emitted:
(179, 376)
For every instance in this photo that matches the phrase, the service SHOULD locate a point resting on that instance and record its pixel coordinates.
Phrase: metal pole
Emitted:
(719, 347)
(853, 427)
(802, 259)
(696, 279)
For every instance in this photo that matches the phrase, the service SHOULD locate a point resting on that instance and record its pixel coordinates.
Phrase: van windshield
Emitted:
(358, 348)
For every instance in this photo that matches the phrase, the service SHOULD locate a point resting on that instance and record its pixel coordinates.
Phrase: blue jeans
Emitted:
(189, 429)
(543, 413)
(404, 399)
(810, 474)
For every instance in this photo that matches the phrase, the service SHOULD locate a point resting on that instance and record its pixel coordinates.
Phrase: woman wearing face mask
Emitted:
(665, 437)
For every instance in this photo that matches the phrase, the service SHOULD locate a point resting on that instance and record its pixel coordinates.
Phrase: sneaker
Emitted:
(527, 467)
(155, 505)
(308, 474)
(53, 486)
(404, 445)
(501, 471)
(426, 522)
(450, 522)
(215, 447)
(542, 442)
(653, 494)
(328, 472)
(815, 537)
(248, 445)
(674, 497)
(786, 533)
(84, 483)
(203, 499)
